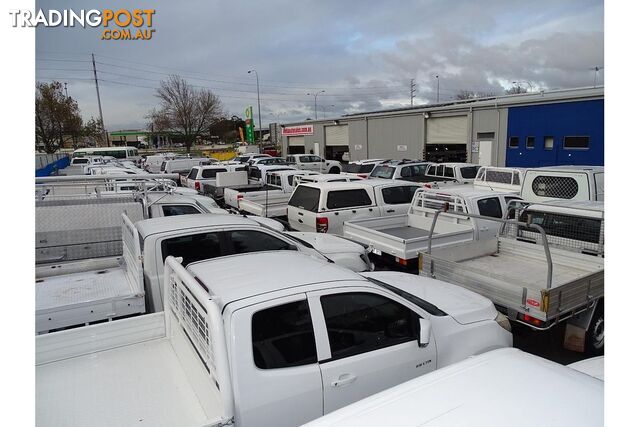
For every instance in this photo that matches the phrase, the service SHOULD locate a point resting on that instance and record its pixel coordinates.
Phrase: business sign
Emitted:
(248, 124)
(401, 148)
(298, 130)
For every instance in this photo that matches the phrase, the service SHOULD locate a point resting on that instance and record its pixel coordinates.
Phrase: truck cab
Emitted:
(314, 163)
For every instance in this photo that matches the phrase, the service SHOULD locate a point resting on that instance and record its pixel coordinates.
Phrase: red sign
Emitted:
(298, 130)
(533, 302)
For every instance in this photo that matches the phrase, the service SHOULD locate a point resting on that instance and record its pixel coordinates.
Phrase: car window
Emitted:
(304, 159)
(283, 336)
(360, 322)
(469, 172)
(194, 247)
(448, 172)
(171, 210)
(245, 241)
(383, 171)
(565, 226)
(306, 198)
(193, 174)
(338, 199)
(211, 173)
(490, 207)
(398, 195)
(405, 171)
(315, 159)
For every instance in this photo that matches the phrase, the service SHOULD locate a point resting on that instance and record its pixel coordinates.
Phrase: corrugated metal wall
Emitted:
(336, 135)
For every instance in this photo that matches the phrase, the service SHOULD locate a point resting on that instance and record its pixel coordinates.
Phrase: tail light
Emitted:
(362, 175)
(402, 261)
(322, 225)
(427, 186)
(239, 196)
(531, 320)
(197, 185)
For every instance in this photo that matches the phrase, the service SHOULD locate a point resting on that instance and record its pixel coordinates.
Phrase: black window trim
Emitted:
(513, 147)
(564, 139)
(430, 308)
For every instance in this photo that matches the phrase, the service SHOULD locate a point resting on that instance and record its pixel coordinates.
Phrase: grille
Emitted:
(559, 187)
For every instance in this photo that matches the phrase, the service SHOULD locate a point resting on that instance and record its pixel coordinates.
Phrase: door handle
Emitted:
(300, 213)
(353, 211)
(343, 380)
(300, 221)
(391, 210)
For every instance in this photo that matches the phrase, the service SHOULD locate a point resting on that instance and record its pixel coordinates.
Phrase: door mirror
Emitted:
(425, 332)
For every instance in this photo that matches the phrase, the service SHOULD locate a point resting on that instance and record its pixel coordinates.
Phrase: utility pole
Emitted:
(95, 77)
(412, 91)
(438, 90)
(65, 90)
(315, 102)
(259, 114)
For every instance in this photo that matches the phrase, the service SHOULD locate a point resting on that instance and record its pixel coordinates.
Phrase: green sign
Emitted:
(248, 125)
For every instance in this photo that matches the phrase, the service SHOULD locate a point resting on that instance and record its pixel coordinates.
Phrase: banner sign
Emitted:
(248, 124)
(298, 130)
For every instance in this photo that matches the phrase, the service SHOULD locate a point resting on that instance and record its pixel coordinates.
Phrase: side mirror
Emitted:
(425, 332)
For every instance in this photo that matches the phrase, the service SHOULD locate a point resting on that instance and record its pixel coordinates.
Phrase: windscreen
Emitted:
(356, 168)
(306, 198)
(469, 172)
(383, 171)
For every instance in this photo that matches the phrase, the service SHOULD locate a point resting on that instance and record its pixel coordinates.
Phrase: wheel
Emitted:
(334, 170)
(595, 333)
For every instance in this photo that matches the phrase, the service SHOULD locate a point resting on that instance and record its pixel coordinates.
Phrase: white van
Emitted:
(324, 207)
(577, 183)
(183, 165)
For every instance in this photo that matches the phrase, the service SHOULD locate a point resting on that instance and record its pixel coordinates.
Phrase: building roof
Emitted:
(243, 276)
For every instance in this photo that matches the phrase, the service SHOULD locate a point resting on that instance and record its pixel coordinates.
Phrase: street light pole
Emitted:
(438, 90)
(259, 114)
(315, 102)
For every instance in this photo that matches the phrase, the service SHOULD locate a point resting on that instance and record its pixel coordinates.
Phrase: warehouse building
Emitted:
(558, 127)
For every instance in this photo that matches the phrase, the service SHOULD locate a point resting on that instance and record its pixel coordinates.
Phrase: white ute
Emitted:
(314, 163)
(235, 346)
(466, 394)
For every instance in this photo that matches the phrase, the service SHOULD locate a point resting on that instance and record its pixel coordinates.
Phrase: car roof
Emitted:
(402, 162)
(467, 190)
(147, 227)
(365, 161)
(242, 276)
(585, 208)
(571, 168)
(359, 184)
(464, 393)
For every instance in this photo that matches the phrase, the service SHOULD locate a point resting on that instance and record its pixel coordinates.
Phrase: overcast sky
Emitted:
(361, 53)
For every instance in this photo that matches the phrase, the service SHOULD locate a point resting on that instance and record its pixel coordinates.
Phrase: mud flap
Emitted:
(574, 338)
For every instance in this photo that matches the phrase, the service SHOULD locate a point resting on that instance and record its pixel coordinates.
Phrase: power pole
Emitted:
(412, 87)
(95, 77)
(595, 75)
(65, 90)
(438, 90)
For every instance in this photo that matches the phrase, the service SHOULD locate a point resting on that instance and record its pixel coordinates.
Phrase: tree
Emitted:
(57, 117)
(226, 129)
(514, 90)
(93, 132)
(468, 94)
(185, 112)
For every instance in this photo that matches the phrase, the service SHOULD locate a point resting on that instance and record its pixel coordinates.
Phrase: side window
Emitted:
(211, 173)
(315, 158)
(245, 241)
(432, 170)
(511, 206)
(440, 171)
(360, 322)
(171, 210)
(405, 172)
(193, 174)
(304, 159)
(398, 195)
(347, 199)
(193, 248)
(490, 207)
(448, 172)
(283, 336)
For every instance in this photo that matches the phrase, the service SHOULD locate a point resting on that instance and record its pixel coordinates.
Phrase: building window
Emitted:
(531, 142)
(514, 142)
(576, 142)
(486, 135)
(548, 143)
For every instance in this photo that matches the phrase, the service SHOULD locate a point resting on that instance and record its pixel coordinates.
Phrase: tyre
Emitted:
(595, 333)
(334, 170)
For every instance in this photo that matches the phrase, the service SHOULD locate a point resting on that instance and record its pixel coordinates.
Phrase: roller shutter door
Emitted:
(447, 130)
(336, 135)
(296, 141)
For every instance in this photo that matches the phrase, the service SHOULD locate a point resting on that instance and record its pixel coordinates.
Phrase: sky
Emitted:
(362, 54)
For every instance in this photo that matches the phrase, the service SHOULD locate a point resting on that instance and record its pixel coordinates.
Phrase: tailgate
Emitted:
(261, 209)
(300, 219)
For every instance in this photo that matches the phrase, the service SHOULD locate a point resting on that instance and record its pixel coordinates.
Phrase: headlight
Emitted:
(503, 321)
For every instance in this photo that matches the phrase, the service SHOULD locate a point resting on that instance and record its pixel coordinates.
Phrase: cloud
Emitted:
(361, 53)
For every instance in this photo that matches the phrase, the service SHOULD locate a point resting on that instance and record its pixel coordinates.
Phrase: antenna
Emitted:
(595, 74)
(412, 87)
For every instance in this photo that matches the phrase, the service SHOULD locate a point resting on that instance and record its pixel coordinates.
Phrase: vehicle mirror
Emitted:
(425, 332)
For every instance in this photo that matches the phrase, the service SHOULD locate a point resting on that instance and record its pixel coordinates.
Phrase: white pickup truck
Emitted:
(325, 206)
(475, 392)
(400, 238)
(81, 292)
(462, 173)
(314, 163)
(533, 283)
(201, 175)
(234, 346)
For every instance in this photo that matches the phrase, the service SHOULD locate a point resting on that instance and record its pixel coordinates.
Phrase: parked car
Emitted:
(464, 394)
(499, 179)
(400, 238)
(362, 168)
(314, 163)
(406, 170)
(235, 346)
(577, 183)
(183, 166)
(462, 173)
(267, 161)
(201, 175)
(324, 207)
